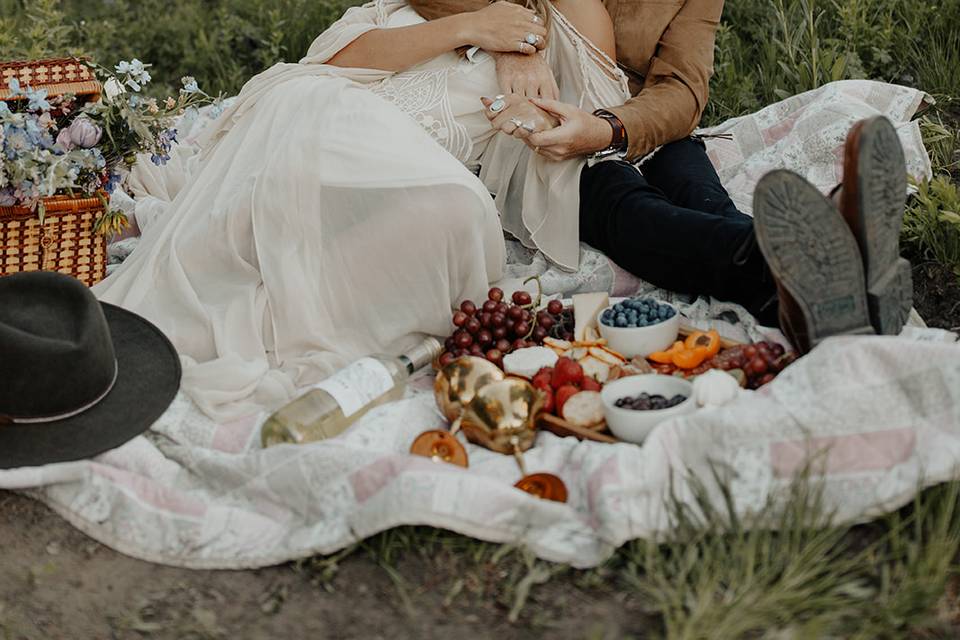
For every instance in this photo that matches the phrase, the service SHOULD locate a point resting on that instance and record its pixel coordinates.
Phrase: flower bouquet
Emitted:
(67, 153)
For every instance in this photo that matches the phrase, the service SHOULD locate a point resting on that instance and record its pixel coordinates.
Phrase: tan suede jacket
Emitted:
(664, 46)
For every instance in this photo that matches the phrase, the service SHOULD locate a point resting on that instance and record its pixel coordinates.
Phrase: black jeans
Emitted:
(673, 224)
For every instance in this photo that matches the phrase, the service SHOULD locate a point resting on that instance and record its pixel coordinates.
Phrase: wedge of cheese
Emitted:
(586, 306)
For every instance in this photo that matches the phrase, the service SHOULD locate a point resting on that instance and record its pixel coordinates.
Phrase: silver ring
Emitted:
(537, 20)
(532, 39)
(517, 122)
(529, 126)
(498, 104)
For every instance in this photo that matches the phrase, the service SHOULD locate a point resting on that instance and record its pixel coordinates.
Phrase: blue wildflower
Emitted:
(38, 100)
(4, 109)
(15, 90)
(189, 85)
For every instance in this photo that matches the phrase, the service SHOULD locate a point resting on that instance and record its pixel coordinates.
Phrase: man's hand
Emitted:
(579, 134)
(526, 75)
(519, 109)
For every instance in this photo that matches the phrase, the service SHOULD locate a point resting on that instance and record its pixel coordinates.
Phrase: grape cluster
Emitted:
(637, 312)
(760, 362)
(647, 402)
(498, 327)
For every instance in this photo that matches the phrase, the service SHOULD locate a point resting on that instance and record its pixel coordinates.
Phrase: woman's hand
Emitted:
(504, 26)
(518, 109)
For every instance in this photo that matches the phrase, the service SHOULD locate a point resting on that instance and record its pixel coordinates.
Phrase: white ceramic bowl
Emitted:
(641, 341)
(634, 426)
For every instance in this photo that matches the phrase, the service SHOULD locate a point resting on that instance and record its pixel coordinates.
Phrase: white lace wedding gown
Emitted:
(334, 213)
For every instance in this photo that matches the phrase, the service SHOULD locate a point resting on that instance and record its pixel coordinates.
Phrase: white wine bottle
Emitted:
(333, 405)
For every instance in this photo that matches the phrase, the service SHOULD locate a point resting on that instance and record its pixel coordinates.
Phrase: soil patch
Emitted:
(936, 293)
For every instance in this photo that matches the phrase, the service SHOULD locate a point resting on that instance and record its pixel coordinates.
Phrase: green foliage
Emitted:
(932, 222)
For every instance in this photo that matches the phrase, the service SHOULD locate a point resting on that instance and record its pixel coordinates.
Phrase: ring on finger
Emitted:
(529, 126)
(532, 39)
(498, 104)
(516, 122)
(537, 20)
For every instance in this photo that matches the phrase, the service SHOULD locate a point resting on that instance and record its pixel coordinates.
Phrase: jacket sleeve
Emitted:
(433, 9)
(677, 84)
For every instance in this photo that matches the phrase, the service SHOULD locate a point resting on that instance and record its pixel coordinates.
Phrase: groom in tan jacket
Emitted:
(668, 220)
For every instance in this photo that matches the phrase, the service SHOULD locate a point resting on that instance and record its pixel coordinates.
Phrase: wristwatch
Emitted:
(619, 142)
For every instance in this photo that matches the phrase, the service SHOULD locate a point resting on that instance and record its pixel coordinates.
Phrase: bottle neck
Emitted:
(421, 355)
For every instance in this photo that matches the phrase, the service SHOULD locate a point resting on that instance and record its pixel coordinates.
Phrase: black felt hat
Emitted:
(77, 377)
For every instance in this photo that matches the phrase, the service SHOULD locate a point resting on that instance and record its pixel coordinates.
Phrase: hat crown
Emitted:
(56, 352)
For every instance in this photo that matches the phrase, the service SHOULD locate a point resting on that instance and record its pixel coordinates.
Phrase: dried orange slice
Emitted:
(440, 446)
(545, 486)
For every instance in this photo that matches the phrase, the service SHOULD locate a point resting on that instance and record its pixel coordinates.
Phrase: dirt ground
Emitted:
(56, 583)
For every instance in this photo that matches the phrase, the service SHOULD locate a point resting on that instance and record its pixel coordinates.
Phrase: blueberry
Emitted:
(621, 320)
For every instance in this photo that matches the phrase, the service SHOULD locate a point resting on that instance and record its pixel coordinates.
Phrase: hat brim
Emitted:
(148, 378)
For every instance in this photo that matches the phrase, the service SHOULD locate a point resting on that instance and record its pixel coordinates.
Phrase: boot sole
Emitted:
(874, 200)
(813, 255)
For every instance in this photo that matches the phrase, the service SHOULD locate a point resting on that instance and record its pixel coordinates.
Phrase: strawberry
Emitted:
(565, 372)
(542, 379)
(563, 394)
(590, 384)
(549, 402)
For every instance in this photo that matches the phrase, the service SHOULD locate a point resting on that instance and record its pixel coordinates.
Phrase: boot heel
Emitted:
(890, 298)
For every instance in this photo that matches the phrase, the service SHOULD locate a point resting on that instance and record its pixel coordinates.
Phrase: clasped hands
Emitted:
(556, 130)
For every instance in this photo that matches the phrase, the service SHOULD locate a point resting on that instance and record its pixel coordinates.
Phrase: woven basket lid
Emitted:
(58, 76)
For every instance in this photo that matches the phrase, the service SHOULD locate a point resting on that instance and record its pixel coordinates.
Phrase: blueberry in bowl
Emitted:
(639, 326)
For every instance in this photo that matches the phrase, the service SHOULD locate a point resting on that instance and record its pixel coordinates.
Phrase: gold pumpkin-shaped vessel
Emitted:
(502, 416)
(457, 383)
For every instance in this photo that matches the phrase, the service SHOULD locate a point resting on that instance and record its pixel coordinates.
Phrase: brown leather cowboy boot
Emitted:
(872, 201)
(814, 259)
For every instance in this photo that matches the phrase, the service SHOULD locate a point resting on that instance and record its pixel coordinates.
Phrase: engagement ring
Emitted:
(498, 104)
(533, 39)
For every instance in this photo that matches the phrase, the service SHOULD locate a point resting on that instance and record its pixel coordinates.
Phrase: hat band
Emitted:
(68, 414)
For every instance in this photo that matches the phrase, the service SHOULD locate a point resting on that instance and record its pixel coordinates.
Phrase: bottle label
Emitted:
(358, 384)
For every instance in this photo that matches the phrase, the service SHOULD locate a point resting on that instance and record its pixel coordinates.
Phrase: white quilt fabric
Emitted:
(881, 415)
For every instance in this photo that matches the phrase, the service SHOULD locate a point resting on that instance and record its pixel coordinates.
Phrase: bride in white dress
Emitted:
(335, 211)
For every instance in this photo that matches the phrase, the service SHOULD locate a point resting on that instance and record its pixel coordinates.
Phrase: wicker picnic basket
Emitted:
(65, 239)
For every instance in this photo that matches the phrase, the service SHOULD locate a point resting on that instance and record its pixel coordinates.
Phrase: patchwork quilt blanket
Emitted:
(878, 416)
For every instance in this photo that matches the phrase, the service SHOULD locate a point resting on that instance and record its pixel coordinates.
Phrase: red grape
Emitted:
(499, 332)
(757, 366)
(485, 319)
(502, 308)
(460, 319)
(497, 320)
(449, 344)
(495, 294)
(521, 328)
(767, 379)
(509, 324)
(503, 345)
(777, 350)
(514, 313)
(459, 353)
(750, 351)
(489, 306)
(446, 358)
(539, 333)
(555, 307)
(484, 337)
(463, 340)
(495, 356)
(521, 298)
(476, 350)
(473, 326)
(519, 343)
(547, 322)
(468, 307)
(525, 315)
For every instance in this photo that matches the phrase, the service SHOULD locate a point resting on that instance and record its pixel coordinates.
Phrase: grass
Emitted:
(797, 577)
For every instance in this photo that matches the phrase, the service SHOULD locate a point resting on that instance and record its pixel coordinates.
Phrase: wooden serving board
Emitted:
(562, 428)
